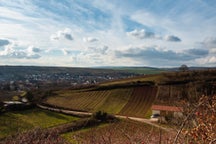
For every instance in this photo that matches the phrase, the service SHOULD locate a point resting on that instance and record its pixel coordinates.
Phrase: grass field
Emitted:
(13, 122)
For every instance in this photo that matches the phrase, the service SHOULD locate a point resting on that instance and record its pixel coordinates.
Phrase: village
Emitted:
(34, 81)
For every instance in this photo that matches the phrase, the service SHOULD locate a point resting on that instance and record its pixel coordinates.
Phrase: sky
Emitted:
(92, 33)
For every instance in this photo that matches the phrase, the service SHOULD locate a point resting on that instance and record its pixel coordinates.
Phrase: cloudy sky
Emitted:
(87, 33)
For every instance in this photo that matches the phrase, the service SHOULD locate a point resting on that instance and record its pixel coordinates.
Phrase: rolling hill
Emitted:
(134, 96)
(130, 101)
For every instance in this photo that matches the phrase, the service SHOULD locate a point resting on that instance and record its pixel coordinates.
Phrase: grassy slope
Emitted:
(13, 122)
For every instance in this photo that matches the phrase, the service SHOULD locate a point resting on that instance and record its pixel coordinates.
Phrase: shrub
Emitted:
(103, 117)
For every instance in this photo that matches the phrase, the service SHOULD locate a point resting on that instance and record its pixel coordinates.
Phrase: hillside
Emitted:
(36, 73)
(131, 101)
(134, 96)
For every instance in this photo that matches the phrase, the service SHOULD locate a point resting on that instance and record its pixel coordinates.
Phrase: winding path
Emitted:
(70, 112)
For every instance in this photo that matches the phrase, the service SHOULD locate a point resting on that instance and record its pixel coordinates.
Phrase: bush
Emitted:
(103, 116)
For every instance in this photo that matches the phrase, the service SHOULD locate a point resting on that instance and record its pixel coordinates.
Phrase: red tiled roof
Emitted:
(167, 108)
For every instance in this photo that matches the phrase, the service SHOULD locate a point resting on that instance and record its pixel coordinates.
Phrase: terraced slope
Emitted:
(116, 101)
(132, 101)
(84, 101)
(140, 101)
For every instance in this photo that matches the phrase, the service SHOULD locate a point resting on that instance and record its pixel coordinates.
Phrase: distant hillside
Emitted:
(140, 70)
(24, 72)
(21, 70)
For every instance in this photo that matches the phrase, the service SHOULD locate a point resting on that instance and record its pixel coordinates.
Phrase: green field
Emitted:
(13, 122)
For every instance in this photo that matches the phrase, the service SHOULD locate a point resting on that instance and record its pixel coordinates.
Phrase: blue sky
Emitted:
(88, 33)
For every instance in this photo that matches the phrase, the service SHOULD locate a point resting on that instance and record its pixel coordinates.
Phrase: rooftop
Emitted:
(167, 108)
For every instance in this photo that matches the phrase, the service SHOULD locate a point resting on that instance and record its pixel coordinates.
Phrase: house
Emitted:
(164, 110)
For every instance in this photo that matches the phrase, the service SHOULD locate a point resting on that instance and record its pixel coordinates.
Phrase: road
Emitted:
(71, 112)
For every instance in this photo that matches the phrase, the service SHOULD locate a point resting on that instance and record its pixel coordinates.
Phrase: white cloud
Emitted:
(160, 56)
(90, 39)
(144, 34)
(212, 51)
(65, 34)
(100, 50)
(210, 42)
(33, 49)
(94, 56)
(210, 61)
(66, 52)
(19, 52)
(141, 34)
(33, 22)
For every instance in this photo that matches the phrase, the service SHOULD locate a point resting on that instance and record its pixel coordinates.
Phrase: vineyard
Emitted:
(123, 132)
(134, 101)
(140, 101)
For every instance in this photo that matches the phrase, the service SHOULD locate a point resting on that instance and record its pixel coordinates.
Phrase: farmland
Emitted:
(134, 96)
(130, 97)
(13, 122)
(131, 101)
(125, 131)
(140, 101)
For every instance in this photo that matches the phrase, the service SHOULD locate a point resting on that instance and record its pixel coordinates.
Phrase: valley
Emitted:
(120, 105)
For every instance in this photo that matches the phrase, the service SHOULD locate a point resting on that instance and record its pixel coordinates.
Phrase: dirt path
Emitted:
(70, 112)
